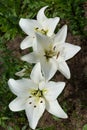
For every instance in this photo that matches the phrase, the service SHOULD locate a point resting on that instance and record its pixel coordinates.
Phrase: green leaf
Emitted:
(84, 127)
(24, 127)
(9, 128)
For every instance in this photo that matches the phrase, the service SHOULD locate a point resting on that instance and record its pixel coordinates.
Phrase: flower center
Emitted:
(51, 53)
(37, 93)
(36, 96)
(41, 31)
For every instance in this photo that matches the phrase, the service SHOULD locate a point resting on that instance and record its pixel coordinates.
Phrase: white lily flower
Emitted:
(42, 25)
(52, 53)
(35, 95)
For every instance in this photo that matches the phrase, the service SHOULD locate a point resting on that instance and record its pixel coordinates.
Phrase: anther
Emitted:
(30, 102)
(41, 101)
(57, 55)
(30, 96)
(37, 28)
(34, 106)
(54, 48)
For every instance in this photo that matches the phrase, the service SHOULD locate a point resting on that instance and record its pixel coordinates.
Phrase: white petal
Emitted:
(50, 24)
(17, 104)
(64, 69)
(53, 90)
(42, 85)
(36, 74)
(34, 113)
(49, 67)
(31, 58)
(60, 37)
(41, 16)
(27, 42)
(70, 50)
(55, 109)
(21, 73)
(21, 87)
(28, 26)
(43, 42)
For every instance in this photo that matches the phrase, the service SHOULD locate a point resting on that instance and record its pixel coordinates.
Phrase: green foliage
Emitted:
(84, 127)
(11, 11)
(70, 11)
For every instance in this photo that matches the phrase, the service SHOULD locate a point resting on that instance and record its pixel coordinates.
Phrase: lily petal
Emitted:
(43, 42)
(53, 90)
(34, 113)
(27, 42)
(28, 26)
(20, 73)
(41, 16)
(36, 74)
(60, 37)
(17, 104)
(49, 68)
(50, 24)
(21, 87)
(55, 109)
(70, 50)
(31, 58)
(64, 69)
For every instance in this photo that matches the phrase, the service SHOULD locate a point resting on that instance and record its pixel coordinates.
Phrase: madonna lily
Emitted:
(52, 53)
(42, 25)
(36, 94)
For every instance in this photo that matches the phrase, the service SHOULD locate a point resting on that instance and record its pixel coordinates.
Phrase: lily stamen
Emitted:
(41, 30)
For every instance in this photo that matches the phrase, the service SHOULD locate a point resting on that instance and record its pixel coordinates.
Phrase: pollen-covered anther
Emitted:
(30, 96)
(41, 30)
(34, 93)
(30, 102)
(36, 28)
(35, 106)
(57, 55)
(54, 48)
(41, 101)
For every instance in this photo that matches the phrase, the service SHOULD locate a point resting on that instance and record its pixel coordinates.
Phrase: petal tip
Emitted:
(68, 76)
(23, 58)
(66, 116)
(10, 81)
(20, 21)
(43, 8)
(63, 83)
(22, 46)
(65, 27)
(10, 107)
(79, 48)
